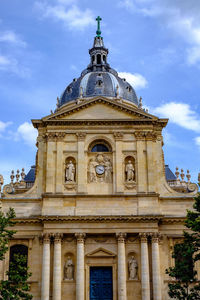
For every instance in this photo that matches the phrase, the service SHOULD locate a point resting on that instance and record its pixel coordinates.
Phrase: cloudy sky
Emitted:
(155, 44)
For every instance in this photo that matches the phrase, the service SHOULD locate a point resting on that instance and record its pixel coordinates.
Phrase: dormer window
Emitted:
(99, 83)
(69, 89)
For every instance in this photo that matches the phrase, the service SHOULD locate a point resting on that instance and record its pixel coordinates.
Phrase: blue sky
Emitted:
(154, 43)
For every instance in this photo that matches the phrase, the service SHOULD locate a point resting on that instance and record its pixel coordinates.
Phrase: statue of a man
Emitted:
(1, 182)
(130, 171)
(92, 170)
(70, 171)
(69, 269)
(132, 267)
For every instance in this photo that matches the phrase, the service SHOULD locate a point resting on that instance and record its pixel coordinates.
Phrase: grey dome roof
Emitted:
(99, 84)
(99, 79)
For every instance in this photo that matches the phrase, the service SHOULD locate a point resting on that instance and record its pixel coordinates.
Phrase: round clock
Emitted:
(100, 169)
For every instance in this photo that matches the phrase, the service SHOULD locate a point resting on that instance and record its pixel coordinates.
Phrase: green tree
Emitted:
(6, 221)
(16, 287)
(186, 253)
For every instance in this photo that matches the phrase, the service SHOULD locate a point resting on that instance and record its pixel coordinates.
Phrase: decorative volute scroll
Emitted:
(81, 136)
(80, 236)
(180, 184)
(121, 237)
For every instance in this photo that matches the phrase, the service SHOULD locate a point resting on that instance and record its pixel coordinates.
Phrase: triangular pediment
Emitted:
(99, 109)
(101, 252)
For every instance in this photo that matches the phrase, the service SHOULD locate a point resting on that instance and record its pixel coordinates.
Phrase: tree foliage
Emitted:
(16, 286)
(6, 221)
(186, 253)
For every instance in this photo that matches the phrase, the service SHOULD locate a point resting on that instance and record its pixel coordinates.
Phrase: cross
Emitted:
(98, 32)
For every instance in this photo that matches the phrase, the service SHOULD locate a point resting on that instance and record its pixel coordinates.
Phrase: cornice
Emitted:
(102, 219)
(103, 196)
(104, 122)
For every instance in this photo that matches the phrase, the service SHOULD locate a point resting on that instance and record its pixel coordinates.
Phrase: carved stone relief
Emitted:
(100, 169)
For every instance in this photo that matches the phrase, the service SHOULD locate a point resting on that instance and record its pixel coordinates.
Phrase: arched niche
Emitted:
(70, 169)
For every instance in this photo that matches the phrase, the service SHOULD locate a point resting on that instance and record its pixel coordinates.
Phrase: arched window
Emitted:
(100, 146)
(18, 249)
(98, 59)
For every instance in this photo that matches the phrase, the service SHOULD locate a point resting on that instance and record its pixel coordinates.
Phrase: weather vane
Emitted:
(98, 32)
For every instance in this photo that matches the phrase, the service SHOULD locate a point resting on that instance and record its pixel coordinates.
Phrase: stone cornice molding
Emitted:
(96, 123)
(102, 219)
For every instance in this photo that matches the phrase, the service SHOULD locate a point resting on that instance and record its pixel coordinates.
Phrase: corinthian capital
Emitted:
(81, 136)
(80, 236)
(121, 237)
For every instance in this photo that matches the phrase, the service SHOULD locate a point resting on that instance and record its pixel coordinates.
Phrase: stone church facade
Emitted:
(100, 220)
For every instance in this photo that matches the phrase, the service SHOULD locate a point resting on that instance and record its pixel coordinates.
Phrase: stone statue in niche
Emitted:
(70, 172)
(69, 269)
(130, 172)
(132, 267)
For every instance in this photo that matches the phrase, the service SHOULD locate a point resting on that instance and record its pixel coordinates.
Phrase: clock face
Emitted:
(100, 169)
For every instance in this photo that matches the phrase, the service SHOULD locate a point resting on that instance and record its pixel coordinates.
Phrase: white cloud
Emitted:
(3, 125)
(136, 80)
(197, 141)
(181, 17)
(27, 133)
(10, 37)
(4, 61)
(180, 114)
(73, 17)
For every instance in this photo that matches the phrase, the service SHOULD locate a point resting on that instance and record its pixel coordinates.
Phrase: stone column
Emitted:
(59, 162)
(157, 295)
(121, 266)
(57, 267)
(80, 268)
(118, 162)
(145, 267)
(141, 161)
(50, 166)
(81, 164)
(45, 267)
(150, 142)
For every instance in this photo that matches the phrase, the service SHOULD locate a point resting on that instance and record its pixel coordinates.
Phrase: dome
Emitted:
(99, 84)
(99, 79)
